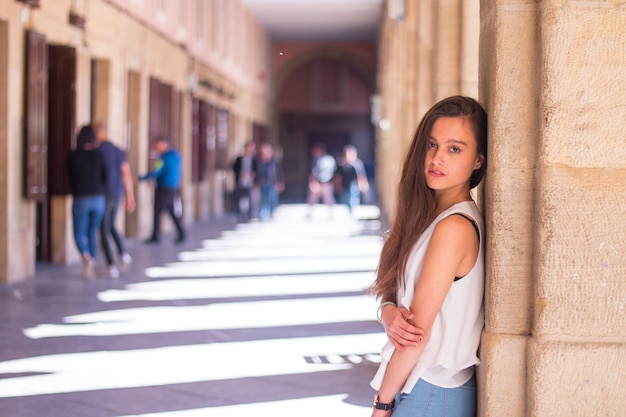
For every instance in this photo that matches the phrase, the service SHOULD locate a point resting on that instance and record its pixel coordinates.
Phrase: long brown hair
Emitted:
(415, 200)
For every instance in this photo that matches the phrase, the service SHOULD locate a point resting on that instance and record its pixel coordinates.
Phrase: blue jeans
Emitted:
(87, 213)
(427, 400)
(350, 196)
(269, 201)
(107, 228)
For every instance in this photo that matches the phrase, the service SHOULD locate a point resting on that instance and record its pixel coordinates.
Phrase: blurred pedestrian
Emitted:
(244, 168)
(351, 181)
(323, 166)
(168, 175)
(87, 176)
(119, 185)
(270, 181)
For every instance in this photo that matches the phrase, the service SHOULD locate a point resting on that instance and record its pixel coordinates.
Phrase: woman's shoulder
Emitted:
(453, 228)
(455, 219)
(468, 208)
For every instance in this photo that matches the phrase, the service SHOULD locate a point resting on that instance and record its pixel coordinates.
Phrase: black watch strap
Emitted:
(383, 406)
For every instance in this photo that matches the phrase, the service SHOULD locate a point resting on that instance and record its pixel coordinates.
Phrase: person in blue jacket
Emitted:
(168, 175)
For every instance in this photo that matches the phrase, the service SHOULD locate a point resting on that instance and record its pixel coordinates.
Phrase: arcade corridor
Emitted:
(252, 319)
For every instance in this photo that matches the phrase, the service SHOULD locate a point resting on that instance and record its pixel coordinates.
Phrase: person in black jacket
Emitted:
(245, 168)
(270, 181)
(87, 177)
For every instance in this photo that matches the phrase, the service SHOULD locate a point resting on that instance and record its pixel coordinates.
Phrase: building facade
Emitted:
(145, 68)
(549, 73)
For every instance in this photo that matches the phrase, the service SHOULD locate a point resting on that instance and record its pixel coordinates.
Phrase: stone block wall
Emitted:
(551, 76)
(554, 341)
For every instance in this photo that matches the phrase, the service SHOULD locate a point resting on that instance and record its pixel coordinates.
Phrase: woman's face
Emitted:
(452, 154)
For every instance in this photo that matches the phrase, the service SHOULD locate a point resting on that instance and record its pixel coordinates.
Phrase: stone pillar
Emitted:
(4, 165)
(508, 33)
(470, 33)
(425, 57)
(555, 334)
(402, 51)
(17, 214)
(132, 134)
(448, 48)
(578, 350)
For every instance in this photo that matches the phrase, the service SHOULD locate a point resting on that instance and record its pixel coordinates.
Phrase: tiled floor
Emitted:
(264, 318)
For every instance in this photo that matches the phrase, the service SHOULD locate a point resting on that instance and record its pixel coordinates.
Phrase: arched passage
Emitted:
(323, 95)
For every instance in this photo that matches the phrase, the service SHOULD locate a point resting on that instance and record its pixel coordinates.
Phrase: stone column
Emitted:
(578, 350)
(470, 33)
(555, 335)
(508, 52)
(426, 52)
(448, 48)
(403, 53)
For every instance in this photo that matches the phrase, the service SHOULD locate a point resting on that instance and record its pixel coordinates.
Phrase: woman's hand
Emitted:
(399, 331)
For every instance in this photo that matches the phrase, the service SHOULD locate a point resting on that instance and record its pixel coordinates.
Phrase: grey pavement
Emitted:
(264, 318)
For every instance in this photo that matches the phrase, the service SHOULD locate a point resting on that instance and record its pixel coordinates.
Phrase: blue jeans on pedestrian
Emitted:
(107, 228)
(350, 196)
(87, 213)
(269, 201)
(427, 400)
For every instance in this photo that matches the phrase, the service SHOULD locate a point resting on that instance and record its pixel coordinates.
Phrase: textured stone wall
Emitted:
(555, 337)
(551, 75)
(509, 55)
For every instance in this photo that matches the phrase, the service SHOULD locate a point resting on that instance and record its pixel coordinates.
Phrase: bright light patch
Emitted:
(216, 288)
(354, 247)
(180, 364)
(262, 267)
(259, 314)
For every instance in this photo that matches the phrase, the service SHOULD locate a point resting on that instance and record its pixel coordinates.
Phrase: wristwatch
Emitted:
(383, 406)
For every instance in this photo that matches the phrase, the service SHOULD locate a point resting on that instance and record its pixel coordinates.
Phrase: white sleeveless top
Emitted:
(451, 352)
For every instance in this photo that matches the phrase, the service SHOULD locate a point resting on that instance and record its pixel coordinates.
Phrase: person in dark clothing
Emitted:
(87, 176)
(168, 175)
(244, 168)
(270, 181)
(119, 184)
(323, 168)
(351, 178)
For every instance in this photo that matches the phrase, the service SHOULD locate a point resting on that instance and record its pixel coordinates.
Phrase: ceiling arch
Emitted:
(328, 52)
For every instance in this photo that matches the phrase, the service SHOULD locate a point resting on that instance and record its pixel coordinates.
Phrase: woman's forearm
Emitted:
(398, 370)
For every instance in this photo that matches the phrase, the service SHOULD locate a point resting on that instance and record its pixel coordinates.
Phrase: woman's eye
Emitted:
(454, 149)
(432, 145)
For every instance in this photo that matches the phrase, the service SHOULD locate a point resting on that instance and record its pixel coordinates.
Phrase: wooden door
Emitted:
(221, 154)
(61, 115)
(36, 138)
(199, 145)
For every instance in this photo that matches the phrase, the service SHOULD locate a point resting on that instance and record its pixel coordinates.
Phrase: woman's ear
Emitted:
(479, 162)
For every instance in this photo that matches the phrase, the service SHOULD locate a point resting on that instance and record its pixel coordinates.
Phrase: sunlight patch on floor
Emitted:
(328, 406)
(75, 372)
(216, 288)
(168, 319)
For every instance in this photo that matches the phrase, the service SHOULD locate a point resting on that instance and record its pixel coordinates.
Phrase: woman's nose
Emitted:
(436, 158)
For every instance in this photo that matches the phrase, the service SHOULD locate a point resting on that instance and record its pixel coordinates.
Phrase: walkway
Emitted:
(258, 319)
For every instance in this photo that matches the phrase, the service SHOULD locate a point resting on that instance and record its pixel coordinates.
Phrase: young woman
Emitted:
(431, 273)
(87, 177)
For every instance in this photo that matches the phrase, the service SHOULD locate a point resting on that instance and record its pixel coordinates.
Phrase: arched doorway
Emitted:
(322, 96)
